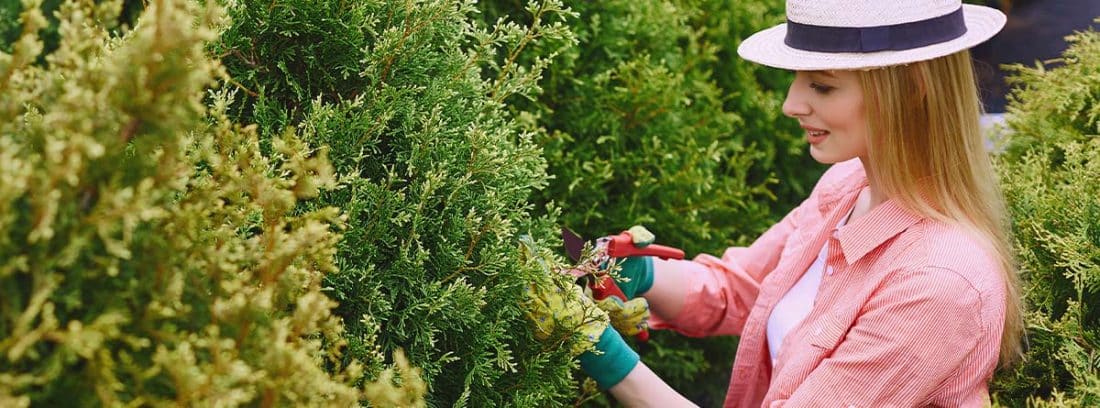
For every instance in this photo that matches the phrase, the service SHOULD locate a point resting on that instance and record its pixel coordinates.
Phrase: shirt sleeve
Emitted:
(722, 291)
(918, 330)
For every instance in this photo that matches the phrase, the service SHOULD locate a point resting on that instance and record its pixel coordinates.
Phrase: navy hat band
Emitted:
(895, 37)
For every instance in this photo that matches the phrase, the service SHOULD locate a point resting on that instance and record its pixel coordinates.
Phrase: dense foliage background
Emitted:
(652, 119)
(435, 176)
(399, 149)
(150, 252)
(1049, 172)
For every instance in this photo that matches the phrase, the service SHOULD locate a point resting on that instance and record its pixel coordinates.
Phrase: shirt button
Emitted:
(817, 332)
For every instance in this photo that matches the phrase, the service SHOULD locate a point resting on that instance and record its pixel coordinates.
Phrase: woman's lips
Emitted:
(815, 135)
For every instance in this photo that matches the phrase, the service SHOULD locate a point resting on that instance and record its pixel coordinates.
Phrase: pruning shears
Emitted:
(614, 246)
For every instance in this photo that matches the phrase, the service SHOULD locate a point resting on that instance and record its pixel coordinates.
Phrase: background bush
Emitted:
(653, 119)
(1049, 173)
(149, 253)
(435, 175)
(452, 128)
(123, 15)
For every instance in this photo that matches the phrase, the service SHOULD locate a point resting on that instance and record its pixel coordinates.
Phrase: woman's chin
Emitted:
(822, 156)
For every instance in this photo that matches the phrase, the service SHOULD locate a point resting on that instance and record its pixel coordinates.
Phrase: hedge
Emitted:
(1049, 170)
(652, 119)
(159, 251)
(150, 256)
(435, 176)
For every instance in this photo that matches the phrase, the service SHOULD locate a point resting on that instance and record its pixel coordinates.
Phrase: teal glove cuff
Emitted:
(640, 271)
(616, 361)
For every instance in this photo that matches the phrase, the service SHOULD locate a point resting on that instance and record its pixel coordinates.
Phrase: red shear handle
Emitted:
(604, 286)
(622, 246)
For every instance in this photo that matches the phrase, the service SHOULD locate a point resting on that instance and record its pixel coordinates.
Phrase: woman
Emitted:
(893, 283)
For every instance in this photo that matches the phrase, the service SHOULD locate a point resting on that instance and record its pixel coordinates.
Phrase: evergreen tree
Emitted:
(653, 119)
(1049, 173)
(756, 94)
(435, 175)
(149, 252)
(10, 26)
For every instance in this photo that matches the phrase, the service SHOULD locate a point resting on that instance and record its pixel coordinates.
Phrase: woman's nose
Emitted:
(795, 105)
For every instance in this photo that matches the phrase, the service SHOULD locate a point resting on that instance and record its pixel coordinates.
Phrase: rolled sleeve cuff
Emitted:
(613, 364)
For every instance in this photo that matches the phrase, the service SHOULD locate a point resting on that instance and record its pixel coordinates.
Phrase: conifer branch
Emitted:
(536, 21)
(408, 32)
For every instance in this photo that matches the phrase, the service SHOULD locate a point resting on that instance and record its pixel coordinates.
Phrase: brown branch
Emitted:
(242, 87)
(130, 130)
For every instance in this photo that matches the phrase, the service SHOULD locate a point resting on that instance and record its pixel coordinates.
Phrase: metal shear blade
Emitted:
(574, 244)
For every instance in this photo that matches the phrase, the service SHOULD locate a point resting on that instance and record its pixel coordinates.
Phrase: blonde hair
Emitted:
(927, 152)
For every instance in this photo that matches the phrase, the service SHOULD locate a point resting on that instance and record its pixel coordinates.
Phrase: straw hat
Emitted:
(864, 34)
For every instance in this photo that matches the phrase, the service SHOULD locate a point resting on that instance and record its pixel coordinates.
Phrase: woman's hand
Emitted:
(558, 310)
(635, 273)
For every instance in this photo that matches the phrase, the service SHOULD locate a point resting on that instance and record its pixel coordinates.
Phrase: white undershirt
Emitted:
(796, 304)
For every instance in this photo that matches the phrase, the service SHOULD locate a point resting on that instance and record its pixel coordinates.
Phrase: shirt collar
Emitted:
(864, 234)
(868, 232)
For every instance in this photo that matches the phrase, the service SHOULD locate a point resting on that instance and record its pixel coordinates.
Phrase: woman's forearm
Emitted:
(666, 296)
(642, 388)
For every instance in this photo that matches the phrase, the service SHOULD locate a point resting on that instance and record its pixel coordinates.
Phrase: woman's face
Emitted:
(829, 106)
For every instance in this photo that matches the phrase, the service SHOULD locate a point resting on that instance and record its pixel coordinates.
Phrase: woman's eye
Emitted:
(820, 88)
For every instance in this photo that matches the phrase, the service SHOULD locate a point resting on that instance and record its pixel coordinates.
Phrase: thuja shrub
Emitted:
(1049, 174)
(636, 132)
(149, 252)
(435, 176)
(10, 27)
(756, 93)
(653, 119)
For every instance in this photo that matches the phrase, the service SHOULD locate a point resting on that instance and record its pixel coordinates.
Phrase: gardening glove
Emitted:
(628, 318)
(557, 308)
(637, 270)
(604, 355)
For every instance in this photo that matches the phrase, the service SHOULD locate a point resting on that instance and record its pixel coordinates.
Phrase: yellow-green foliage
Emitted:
(1050, 173)
(435, 177)
(148, 251)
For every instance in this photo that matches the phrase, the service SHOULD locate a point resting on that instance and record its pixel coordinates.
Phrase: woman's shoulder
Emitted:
(946, 249)
(840, 178)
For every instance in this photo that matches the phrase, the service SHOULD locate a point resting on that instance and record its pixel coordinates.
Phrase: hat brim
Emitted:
(767, 47)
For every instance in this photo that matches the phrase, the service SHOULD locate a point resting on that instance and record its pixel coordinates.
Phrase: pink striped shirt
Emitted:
(911, 316)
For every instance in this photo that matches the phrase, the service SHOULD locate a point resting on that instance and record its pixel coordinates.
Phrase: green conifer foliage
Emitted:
(653, 119)
(148, 251)
(756, 93)
(636, 131)
(434, 174)
(1049, 173)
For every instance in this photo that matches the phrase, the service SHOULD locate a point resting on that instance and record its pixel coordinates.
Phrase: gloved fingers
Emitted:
(634, 317)
(636, 307)
(561, 310)
(641, 236)
(619, 320)
(611, 304)
(630, 317)
(538, 312)
(629, 326)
